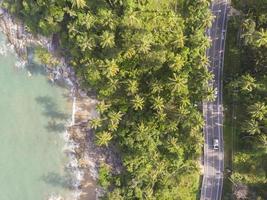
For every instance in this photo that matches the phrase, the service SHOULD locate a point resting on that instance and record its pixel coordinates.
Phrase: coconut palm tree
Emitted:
(107, 39)
(145, 44)
(179, 40)
(177, 64)
(161, 115)
(178, 83)
(103, 138)
(156, 87)
(158, 103)
(138, 102)
(261, 38)
(79, 3)
(95, 123)
(102, 107)
(107, 19)
(248, 83)
(131, 19)
(210, 94)
(252, 127)
(115, 118)
(258, 110)
(111, 68)
(204, 60)
(248, 27)
(85, 43)
(132, 86)
(113, 84)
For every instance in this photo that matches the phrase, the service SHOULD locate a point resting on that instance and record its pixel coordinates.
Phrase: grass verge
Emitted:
(231, 69)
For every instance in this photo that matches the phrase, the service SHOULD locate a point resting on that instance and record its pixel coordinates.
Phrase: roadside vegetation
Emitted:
(146, 61)
(245, 83)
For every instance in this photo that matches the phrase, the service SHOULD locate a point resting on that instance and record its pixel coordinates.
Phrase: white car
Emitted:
(215, 144)
(215, 92)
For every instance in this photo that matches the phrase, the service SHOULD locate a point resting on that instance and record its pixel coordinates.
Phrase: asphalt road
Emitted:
(213, 111)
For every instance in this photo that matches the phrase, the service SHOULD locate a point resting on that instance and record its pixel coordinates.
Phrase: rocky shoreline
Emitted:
(84, 154)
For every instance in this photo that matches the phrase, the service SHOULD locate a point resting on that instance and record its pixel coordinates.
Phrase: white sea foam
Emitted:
(70, 147)
(73, 111)
(20, 64)
(10, 48)
(55, 197)
(3, 50)
(76, 194)
(73, 164)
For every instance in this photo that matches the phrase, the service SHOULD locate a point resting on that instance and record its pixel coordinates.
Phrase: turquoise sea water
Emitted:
(32, 122)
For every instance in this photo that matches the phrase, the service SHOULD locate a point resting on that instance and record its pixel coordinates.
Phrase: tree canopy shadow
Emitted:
(36, 69)
(53, 126)
(57, 118)
(57, 180)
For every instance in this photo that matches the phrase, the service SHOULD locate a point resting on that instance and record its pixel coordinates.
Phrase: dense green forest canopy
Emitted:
(146, 61)
(249, 89)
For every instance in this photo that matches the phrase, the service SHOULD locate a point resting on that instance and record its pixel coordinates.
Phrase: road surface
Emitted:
(213, 111)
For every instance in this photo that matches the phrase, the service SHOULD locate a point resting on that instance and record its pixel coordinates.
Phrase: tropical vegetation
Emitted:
(146, 62)
(246, 89)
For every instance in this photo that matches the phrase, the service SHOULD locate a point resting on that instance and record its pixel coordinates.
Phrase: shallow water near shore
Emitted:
(34, 114)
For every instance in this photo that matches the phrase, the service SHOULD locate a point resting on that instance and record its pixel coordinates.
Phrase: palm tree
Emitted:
(185, 102)
(179, 39)
(248, 83)
(102, 107)
(204, 60)
(178, 83)
(198, 120)
(72, 29)
(85, 42)
(158, 103)
(96, 123)
(113, 84)
(207, 77)
(145, 44)
(210, 94)
(131, 20)
(79, 3)
(107, 18)
(207, 21)
(258, 110)
(103, 138)
(138, 102)
(132, 86)
(141, 129)
(115, 118)
(183, 111)
(156, 87)
(161, 115)
(177, 64)
(248, 29)
(107, 39)
(261, 38)
(111, 68)
(252, 127)
(173, 145)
